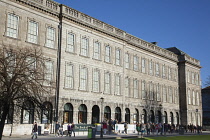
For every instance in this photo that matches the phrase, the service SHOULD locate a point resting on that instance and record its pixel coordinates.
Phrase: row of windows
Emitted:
(153, 68)
(32, 31)
(193, 97)
(149, 90)
(193, 78)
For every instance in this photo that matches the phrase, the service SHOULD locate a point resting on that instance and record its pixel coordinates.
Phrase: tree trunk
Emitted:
(3, 118)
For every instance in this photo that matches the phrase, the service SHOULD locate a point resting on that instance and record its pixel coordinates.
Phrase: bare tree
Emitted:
(22, 72)
(207, 82)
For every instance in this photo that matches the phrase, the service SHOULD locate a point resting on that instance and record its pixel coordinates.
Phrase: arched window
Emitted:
(95, 114)
(107, 113)
(68, 113)
(127, 115)
(172, 118)
(136, 116)
(152, 117)
(47, 113)
(118, 114)
(82, 114)
(27, 114)
(144, 116)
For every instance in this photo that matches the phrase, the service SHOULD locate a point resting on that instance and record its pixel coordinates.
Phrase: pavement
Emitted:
(97, 137)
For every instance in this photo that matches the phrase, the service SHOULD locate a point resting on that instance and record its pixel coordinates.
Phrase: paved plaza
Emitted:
(112, 136)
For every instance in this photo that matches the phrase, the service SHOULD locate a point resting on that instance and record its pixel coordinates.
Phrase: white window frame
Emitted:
(108, 54)
(33, 33)
(135, 63)
(157, 69)
(127, 60)
(135, 88)
(143, 89)
(151, 91)
(117, 84)
(164, 71)
(117, 57)
(96, 80)
(84, 46)
(107, 83)
(158, 92)
(70, 45)
(189, 97)
(164, 94)
(127, 87)
(12, 25)
(97, 50)
(50, 37)
(69, 75)
(151, 67)
(143, 65)
(83, 78)
(49, 72)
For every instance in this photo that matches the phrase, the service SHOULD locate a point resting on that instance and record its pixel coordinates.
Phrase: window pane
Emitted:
(32, 32)
(12, 25)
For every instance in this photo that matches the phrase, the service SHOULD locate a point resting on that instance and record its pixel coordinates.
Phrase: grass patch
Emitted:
(198, 137)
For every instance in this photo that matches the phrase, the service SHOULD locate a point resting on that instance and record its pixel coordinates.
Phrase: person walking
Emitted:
(61, 130)
(57, 126)
(72, 128)
(125, 127)
(34, 131)
(68, 130)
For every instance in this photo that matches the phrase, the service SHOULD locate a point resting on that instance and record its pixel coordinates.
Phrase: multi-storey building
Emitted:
(206, 107)
(101, 70)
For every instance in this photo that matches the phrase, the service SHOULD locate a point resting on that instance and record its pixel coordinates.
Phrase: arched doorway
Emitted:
(127, 115)
(118, 114)
(68, 113)
(47, 113)
(82, 114)
(107, 113)
(165, 118)
(95, 114)
(136, 116)
(171, 118)
(177, 117)
(27, 115)
(152, 116)
(144, 116)
(159, 116)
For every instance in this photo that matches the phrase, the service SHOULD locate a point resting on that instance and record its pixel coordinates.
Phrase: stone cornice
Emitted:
(93, 23)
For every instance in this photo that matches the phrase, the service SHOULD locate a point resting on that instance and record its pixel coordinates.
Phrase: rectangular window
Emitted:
(193, 93)
(176, 96)
(157, 69)
(107, 83)
(32, 32)
(97, 50)
(150, 67)
(117, 84)
(135, 63)
(84, 46)
(136, 88)
(127, 61)
(143, 90)
(96, 80)
(108, 54)
(189, 97)
(158, 93)
(151, 95)
(188, 76)
(169, 73)
(193, 78)
(175, 75)
(83, 78)
(198, 99)
(164, 94)
(12, 25)
(69, 76)
(170, 95)
(70, 43)
(50, 42)
(164, 71)
(117, 57)
(143, 65)
(127, 87)
(48, 72)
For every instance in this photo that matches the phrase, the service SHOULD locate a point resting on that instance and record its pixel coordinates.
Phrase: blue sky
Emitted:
(184, 24)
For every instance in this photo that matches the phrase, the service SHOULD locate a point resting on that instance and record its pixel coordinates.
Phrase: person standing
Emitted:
(34, 131)
(69, 130)
(125, 127)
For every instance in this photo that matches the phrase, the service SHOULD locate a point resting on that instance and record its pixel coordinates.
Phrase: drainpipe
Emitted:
(58, 64)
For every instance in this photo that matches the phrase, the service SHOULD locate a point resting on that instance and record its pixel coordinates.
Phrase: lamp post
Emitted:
(102, 100)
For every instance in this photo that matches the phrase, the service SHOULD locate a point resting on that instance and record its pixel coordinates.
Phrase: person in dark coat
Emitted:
(34, 131)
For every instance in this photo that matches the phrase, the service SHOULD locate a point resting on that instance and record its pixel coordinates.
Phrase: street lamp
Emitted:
(102, 100)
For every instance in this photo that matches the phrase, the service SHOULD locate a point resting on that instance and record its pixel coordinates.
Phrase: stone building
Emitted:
(206, 107)
(101, 72)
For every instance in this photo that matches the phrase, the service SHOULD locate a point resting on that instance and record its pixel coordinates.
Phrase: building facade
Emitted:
(101, 72)
(205, 104)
